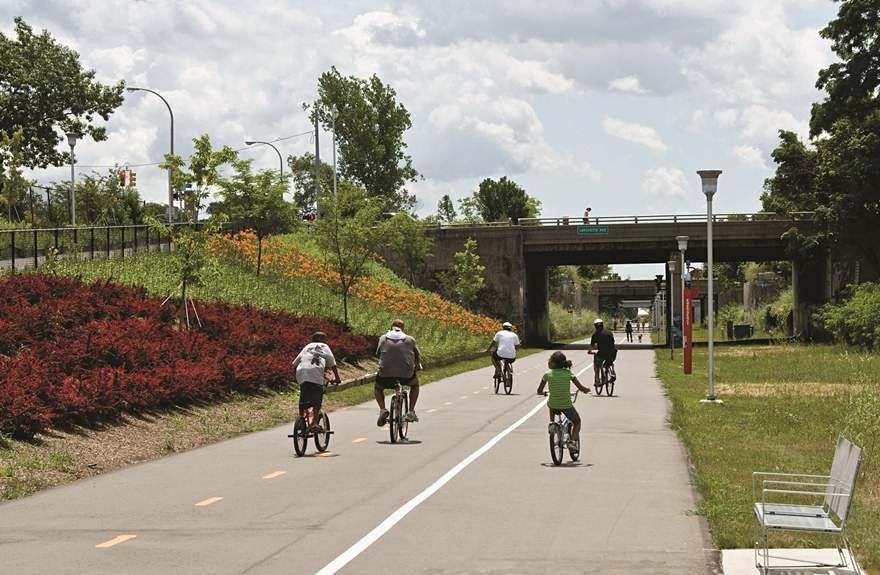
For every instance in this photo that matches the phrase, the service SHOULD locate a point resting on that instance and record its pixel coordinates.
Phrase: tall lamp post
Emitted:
(671, 328)
(71, 141)
(171, 148)
(280, 158)
(709, 180)
(333, 115)
(682, 247)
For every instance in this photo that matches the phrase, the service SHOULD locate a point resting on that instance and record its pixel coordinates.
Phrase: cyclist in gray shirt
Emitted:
(399, 359)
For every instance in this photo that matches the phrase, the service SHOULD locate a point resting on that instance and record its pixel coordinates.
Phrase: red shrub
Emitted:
(84, 353)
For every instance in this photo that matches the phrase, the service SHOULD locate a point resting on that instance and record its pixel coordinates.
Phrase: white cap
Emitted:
(596, 321)
(507, 324)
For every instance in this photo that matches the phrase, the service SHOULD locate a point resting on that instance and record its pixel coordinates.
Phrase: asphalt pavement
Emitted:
(473, 491)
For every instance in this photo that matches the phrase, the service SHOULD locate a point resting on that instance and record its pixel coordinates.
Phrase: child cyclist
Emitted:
(559, 378)
(310, 365)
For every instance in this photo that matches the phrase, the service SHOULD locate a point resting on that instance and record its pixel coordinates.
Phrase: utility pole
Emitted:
(317, 166)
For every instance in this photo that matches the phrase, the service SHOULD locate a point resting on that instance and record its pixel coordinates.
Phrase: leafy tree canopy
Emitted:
(369, 124)
(45, 92)
(303, 170)
(501, 200)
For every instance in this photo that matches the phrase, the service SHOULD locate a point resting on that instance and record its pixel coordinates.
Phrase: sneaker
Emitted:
(383, 418)
(574, 444)
(411, 417)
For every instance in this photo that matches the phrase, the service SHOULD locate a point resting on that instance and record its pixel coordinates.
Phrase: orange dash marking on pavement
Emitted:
(359, 440)
(209, 501)
(274, 474)
(115, 541)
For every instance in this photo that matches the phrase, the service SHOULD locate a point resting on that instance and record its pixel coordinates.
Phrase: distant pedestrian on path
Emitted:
(629, 331)
(587, 216)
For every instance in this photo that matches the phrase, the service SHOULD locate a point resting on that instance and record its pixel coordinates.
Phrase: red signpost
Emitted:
(690, 294)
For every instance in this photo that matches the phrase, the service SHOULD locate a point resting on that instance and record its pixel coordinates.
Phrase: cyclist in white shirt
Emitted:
(503, 346)
(310, 365)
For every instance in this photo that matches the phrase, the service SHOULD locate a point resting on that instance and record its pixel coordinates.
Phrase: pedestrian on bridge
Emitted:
(587, 216)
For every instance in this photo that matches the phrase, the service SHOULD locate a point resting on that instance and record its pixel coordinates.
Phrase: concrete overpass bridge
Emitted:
(517, 256)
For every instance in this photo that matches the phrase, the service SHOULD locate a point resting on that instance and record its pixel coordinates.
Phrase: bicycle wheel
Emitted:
(610, 378)
(322, 440)
(300, 436)
(393, 418)
(497, 379)
(403, 424)
(573, 451)
(508, 379)
(556, 445)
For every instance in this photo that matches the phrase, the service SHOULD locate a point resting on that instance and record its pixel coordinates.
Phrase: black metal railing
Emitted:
(30, 247)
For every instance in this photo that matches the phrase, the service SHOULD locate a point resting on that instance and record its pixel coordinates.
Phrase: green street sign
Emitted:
(592, 230)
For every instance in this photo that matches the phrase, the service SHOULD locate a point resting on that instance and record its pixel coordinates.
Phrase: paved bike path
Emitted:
(627, 508)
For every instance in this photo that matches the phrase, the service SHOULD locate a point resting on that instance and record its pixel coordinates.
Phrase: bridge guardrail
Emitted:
(643, 219)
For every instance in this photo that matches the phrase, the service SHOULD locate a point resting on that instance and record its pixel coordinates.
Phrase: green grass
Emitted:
(783, 408)
(232, 283)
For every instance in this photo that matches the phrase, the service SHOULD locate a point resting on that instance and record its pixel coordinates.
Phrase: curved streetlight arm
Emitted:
(171, 114)
(277, 151)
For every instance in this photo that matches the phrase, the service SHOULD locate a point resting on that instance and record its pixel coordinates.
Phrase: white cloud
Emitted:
(665, 183)
(634, 133)
(750, 155)
(627, 84)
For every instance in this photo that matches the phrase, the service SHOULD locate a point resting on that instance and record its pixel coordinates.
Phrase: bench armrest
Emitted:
(758, 475)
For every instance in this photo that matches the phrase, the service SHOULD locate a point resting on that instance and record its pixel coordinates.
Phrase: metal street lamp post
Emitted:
(682, 247)
(71, 141)
(171, 147)
(671, 299)
(333, 115)
(709, 179)
(280, 158)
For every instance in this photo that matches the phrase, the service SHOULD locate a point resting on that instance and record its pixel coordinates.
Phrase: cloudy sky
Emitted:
(609, 103)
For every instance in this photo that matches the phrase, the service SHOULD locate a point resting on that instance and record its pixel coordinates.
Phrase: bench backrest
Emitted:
(844, 473)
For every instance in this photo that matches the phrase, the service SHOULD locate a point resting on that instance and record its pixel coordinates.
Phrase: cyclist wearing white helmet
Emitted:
(606, 351)
(503, 346)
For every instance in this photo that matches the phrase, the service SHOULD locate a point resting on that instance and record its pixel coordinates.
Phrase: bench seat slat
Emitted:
(795, 522)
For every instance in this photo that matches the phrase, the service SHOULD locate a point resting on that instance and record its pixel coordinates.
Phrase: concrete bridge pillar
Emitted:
(808, 287)
(537, 307)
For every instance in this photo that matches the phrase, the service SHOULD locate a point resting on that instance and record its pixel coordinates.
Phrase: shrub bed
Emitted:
(81, 353)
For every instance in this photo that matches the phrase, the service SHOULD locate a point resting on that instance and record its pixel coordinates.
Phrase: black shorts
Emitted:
(571, 413)
(499, 359)
(391, 382)
(311, 395)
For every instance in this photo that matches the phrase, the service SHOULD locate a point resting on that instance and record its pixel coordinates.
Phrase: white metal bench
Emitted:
(812, 503)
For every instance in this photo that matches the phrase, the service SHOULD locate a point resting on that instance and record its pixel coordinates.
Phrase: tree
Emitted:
(100, 200)
(256, 202)
(593, 272)
(303, 170)
(45, 92)
(345, 231)
(407, 238)
(468, 272)
(445, 210)
(502, 200)
(840, 177)
(12, 182)
(369, 126)
(204, 172)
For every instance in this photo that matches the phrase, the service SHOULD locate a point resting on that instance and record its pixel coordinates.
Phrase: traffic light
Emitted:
(658, 281)
(132, 179)
(121, 178)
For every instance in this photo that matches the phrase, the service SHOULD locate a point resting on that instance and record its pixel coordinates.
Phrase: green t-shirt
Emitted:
(559, 382)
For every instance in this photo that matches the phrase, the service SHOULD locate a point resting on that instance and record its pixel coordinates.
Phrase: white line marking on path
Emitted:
(583, 370)
(209, 501)
(359, 440)
(403, 510)
(115, 541)
(274, 474)
(448, 403)
(432, 410)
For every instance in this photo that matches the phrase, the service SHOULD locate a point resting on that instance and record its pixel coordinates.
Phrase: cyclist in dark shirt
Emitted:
(606, 351)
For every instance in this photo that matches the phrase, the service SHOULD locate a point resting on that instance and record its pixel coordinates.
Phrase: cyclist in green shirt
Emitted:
(559, 378)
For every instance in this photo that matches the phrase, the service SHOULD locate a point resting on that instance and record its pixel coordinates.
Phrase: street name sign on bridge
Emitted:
(592, 230)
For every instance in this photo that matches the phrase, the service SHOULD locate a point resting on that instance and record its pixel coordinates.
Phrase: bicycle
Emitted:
(305, 427)
(607, 377)
(397, 423)
(505, 376)
(560, 436)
